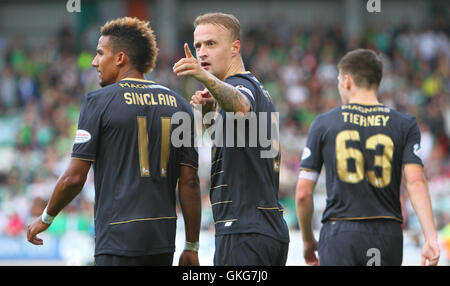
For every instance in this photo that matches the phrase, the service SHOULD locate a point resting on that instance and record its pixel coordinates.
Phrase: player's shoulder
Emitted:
(402, 120)
(185, 106)
(243, 75)
(96, 93)
(244, 78)
(401, 115)
(324, 121)
(247, 82)
(328, 116)
(102, 92)
(164, 89)
(96, 96)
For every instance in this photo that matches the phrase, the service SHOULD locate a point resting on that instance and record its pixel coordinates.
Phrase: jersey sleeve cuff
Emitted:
(308, 169)
(84, 157)
(412, 163)
(190, 164)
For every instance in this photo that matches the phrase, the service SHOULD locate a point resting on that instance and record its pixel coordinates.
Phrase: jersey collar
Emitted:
(137, 79)
(366, 104)
(244, 72)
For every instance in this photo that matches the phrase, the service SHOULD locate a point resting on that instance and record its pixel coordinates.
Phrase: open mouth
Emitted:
(205, 65)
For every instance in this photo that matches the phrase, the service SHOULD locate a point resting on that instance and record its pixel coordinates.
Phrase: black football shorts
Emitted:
(376, 242)
(249, 249)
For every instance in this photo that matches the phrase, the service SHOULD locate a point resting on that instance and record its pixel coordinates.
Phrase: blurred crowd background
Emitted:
(42, 86)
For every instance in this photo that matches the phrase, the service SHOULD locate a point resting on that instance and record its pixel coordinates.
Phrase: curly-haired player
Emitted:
(124, 132)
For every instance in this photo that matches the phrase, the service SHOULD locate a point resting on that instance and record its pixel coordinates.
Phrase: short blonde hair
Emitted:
(135, 38)
(228, 21)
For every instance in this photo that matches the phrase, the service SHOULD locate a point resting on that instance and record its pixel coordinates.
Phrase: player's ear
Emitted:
(236, 48)
(348, 81)
(121, 58)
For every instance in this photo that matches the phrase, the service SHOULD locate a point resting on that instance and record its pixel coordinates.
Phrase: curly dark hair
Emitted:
(135, 38)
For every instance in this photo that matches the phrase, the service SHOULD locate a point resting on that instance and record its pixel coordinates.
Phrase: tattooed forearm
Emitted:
(228, 97)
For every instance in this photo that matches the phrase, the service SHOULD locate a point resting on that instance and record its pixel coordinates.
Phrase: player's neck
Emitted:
(129, 73)
(236, 66)
(363, 96)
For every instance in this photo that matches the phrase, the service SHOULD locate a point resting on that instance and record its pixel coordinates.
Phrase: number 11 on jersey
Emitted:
(144, 148)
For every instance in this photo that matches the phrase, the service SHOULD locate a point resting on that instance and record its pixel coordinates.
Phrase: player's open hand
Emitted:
(189, 258)
(36, 227)
(189, 66)
(309, 248)
(430, 253)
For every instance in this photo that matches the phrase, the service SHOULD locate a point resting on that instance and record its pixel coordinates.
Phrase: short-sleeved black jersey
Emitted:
(244, 184)
(363, 148)
(125, 130)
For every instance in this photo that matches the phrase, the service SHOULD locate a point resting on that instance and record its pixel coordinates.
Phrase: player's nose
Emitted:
(201, 53)
(94, 62)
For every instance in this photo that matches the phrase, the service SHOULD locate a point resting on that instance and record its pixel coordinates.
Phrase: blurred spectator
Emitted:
(15, 225)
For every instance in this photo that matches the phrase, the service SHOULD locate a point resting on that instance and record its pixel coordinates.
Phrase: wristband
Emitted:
(193, 246)
(46, 218)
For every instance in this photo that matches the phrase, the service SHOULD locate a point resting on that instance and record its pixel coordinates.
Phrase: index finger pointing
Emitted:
(187, 51)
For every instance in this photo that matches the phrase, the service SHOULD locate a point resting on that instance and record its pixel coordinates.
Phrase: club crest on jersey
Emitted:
(306, 153)
(416, 150)
(82, 136)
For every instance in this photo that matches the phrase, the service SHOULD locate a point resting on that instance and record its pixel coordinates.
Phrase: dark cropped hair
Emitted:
(135, 38)
(365, 67)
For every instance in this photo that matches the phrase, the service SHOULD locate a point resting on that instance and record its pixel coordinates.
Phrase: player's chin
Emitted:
(212, 71)
(100, 80)
(104, 83)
